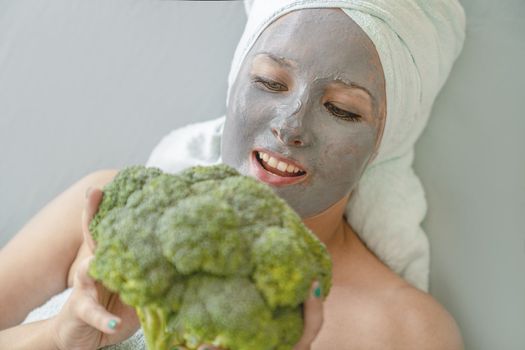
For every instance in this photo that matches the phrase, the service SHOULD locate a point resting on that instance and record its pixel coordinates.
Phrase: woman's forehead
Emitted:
(322, 43)
(315, 30)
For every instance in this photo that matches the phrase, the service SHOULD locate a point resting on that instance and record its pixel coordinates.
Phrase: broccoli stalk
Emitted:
(207, 256)
(154, 321)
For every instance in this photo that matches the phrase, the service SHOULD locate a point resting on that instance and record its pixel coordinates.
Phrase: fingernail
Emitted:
(87, 191)
(317, 292)
(112, 324)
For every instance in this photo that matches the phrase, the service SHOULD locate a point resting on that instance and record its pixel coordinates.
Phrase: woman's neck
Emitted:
(329, 224)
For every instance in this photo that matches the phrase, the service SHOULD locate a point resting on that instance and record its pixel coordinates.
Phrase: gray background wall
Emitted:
(86, 85)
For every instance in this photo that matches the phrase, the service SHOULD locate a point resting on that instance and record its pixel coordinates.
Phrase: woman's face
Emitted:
(307, 108)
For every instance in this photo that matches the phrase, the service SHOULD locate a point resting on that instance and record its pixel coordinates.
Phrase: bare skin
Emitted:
(369, 306)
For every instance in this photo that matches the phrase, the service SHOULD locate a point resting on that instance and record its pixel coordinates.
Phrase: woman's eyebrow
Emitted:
(352, 85)
(292, 64)
(279, 60)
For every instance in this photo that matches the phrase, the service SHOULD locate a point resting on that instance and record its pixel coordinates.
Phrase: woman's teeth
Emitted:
(278, 164)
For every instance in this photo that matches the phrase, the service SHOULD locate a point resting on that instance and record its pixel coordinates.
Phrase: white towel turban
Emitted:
(417, 42)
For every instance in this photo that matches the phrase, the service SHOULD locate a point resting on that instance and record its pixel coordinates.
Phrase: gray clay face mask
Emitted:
(307, 109)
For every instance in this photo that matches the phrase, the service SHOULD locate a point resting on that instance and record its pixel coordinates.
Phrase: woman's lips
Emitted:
(283, 172)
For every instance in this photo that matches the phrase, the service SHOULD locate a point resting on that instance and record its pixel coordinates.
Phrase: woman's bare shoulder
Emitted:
(421, 322)
(376, 308)
(396, 317)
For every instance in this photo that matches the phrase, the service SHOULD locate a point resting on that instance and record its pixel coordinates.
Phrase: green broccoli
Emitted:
(207, 256)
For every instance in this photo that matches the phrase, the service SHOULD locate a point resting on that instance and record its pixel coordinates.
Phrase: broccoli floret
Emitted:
(117, 192)
(207, 256)
(202, 234)
(215, 309)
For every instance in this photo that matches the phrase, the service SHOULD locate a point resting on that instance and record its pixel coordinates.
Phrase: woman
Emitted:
(316, 97)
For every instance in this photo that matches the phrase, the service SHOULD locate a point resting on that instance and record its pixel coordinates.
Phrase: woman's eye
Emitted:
(270, 85)
(341, 113)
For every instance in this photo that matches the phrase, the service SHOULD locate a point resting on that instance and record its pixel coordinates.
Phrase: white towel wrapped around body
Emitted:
(417, 42)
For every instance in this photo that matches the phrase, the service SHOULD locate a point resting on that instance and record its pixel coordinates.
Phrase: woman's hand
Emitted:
(313, 317)
(92, 317)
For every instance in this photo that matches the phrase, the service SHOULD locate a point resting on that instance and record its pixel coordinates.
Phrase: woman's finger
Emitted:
(93, 198)
(92, 313)
(313, 317)
(87, 306)
(83, 284)
(82, 279)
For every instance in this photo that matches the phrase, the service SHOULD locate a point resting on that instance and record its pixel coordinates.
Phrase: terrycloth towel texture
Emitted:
(417, 42)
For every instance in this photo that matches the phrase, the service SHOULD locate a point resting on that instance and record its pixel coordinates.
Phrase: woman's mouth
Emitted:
(275, 169)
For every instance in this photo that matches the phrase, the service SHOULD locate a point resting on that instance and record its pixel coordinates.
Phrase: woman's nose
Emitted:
(289, 127)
